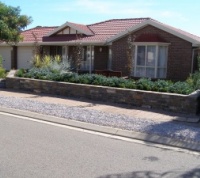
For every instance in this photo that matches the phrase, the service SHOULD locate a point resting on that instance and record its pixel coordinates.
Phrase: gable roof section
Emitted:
(101, 31)
(195, 40)
(79, 27)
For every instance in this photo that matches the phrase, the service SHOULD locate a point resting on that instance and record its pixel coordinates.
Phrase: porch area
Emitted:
(85, 59)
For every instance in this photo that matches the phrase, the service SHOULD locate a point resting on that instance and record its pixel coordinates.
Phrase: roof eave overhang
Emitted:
(157, 25)
(67, 24)
(73, 43)
(60, 43)
(196, 45)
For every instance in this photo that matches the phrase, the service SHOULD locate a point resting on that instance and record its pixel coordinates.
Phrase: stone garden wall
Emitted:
(188, 104)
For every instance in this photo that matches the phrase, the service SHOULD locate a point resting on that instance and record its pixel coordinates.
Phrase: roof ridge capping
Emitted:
(149, 21)
(141, 18)
(38, 27)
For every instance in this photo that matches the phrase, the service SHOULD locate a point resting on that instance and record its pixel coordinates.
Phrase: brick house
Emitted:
(157, 50)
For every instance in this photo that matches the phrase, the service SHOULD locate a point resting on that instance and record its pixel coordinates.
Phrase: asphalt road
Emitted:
(31, 149)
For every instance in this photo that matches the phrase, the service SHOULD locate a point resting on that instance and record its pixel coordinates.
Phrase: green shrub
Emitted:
(161, 85)
(20, 73)
(194, 80)
(181, 88)
(46, 73)
(2, 72)
(144, 84)
(1, 62)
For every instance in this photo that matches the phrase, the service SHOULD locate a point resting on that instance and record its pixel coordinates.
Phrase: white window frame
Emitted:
(146, 44)
(88, 63)
(109, 67)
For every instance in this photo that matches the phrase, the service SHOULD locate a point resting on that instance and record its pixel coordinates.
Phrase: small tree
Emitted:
(37, 48)
(12, 23)
(78, 53)
(130, 53)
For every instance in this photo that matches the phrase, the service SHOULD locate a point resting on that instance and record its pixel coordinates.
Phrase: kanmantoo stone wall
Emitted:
(188, 104)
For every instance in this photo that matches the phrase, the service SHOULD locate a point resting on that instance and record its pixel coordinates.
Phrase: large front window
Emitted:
(151, 61)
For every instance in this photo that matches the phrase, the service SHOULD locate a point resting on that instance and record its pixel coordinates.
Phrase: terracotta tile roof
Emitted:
(38, 31)
(114, 26)
(102, 30)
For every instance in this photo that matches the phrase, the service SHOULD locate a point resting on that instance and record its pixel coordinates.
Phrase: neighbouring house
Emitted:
(157, 50)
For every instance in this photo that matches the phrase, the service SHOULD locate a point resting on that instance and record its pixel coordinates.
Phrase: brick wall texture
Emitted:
(179, 54)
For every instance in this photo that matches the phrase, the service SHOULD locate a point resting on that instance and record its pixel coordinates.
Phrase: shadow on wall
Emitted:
(194, 173)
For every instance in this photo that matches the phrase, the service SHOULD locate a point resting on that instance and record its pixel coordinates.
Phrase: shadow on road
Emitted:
(174, 133)
(194, 173)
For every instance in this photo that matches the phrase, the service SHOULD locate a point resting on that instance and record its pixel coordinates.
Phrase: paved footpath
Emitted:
(141, 113)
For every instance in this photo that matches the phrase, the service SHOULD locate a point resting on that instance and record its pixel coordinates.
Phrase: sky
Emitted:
(183, 14)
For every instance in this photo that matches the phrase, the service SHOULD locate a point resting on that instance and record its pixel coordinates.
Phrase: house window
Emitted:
(84, 54)
(65, 53)
(110, 58)
(55, 50)
(151, 61)
(88, 59)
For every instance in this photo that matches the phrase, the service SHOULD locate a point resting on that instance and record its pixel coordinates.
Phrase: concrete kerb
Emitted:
(185, 144)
